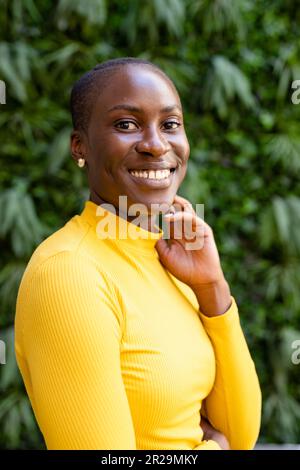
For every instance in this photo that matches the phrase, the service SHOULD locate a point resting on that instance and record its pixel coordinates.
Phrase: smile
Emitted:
(154, 178)
(152, 174)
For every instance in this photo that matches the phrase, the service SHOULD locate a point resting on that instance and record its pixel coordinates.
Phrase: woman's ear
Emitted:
(78, 145)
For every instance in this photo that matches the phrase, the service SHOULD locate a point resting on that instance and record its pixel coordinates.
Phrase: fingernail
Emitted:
(170, 214)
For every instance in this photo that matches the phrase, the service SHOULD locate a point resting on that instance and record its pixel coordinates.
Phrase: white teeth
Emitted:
(151, 174)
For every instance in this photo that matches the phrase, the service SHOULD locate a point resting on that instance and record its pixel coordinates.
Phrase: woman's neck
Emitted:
(146, 222)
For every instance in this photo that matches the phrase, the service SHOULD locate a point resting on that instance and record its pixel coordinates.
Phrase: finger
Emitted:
(184, 204)
(185, 224)
(197, 221)
(175, 222)
(185, 216)
(162, 249)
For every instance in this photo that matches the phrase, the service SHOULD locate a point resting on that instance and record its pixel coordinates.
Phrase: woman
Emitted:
(122, 341)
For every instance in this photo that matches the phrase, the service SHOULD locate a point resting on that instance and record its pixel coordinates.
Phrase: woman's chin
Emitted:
(153, 206)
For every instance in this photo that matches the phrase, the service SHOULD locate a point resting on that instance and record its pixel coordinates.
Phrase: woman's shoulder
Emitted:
(65, 261)
(60, 280)
(61, 248)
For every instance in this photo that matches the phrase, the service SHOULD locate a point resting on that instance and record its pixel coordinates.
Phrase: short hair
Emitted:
(94, 81)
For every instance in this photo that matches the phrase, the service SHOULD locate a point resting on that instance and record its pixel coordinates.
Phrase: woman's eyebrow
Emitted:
(135, 109)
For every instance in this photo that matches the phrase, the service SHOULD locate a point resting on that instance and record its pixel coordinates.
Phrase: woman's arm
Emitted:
(234, 404)
(68, 332)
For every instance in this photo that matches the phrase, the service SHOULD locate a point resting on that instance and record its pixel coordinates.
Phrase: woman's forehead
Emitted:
(138, 83)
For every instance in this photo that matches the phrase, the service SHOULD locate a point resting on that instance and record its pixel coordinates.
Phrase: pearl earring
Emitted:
(81, 162)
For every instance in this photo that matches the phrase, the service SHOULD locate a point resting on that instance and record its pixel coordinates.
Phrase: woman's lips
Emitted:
(154, 183)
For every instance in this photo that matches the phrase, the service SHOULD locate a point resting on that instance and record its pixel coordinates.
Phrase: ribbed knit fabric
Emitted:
(114, 351)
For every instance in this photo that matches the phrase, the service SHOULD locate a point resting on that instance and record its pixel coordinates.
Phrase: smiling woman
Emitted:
(133, 342)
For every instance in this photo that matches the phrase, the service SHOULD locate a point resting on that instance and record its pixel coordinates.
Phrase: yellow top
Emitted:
(114, 351)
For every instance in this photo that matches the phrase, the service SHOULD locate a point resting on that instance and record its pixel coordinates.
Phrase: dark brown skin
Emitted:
(210, 433)
(145, 131)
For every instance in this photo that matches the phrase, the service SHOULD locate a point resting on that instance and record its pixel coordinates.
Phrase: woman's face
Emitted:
(136, 125)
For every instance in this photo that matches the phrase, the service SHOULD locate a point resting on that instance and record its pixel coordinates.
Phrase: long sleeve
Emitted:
(70, 328)
(234, 404)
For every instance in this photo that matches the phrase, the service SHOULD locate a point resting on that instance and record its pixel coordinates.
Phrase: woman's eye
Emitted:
(171, 125)
(126, 125)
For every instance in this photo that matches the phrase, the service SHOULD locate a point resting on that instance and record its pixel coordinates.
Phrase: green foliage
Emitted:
(225, 81)
(233, 63)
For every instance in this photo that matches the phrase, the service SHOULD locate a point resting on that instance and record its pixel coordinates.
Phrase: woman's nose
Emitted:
(152, 142)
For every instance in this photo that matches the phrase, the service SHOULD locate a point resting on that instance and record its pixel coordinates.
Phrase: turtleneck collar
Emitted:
(126, 234)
